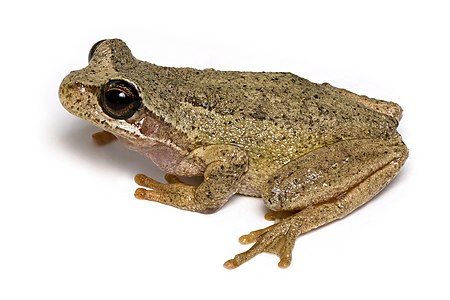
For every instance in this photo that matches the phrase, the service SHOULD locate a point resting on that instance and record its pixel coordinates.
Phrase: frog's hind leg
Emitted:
(385, 107)
(366, 167)
(278, 215)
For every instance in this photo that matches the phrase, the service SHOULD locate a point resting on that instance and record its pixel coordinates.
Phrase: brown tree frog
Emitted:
(312, 152)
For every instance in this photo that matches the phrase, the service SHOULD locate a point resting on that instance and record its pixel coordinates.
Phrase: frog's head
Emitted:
(102, 93)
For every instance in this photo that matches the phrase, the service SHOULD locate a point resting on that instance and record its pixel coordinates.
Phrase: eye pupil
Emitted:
(119, 99)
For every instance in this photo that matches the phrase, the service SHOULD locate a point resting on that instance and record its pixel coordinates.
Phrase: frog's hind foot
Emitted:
(278, 239)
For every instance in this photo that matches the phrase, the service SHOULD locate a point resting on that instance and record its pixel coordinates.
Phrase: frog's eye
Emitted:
(119, 99)
(93, 48)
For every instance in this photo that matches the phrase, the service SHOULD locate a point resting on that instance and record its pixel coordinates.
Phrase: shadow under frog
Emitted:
(314, 153)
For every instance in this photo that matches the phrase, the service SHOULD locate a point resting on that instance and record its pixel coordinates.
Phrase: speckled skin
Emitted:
(301, 146)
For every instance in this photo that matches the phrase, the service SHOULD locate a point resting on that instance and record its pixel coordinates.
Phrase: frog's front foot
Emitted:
(177, 194)
(103, 137)
(174, 192)
(278, 239)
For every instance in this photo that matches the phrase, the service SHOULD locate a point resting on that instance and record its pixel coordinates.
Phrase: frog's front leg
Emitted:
(224, 167)
(103, 137)
(323, 185)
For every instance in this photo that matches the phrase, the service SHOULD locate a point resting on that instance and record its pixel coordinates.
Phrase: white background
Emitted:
(70, 227)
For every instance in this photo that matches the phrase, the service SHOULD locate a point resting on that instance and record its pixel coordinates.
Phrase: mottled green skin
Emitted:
(301, 146)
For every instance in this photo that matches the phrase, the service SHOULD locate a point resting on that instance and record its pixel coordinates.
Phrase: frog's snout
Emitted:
(76, 97)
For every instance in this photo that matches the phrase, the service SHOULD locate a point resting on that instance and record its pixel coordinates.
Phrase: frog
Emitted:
(313, 152)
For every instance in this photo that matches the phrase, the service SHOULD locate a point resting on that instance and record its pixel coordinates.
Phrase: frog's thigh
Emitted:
(385, 107)
(368, 167)
(330, 172)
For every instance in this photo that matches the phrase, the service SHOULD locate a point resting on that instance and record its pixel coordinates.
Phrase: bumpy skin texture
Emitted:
(297, 144)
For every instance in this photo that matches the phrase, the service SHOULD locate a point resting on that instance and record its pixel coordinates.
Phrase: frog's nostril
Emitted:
(93, 48)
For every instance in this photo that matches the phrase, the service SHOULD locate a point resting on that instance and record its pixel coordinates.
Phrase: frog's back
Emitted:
(281, 100)
(270, 114)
